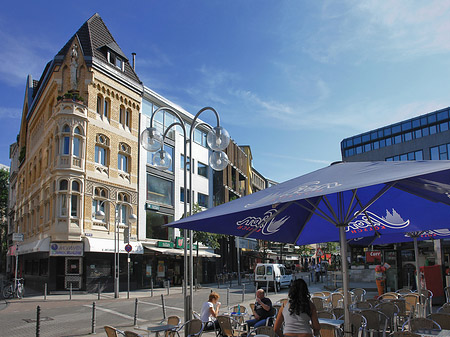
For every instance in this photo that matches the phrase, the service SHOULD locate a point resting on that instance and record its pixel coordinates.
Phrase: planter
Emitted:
(380, 286)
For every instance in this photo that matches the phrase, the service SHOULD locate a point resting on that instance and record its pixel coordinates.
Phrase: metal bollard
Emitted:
(45, 291)
(243, 293)
(135, 312)
(168, 287)
(98, 291)
(267, 288)
(163, 306)
(218, 283)
(38, 321)
(231, 281)
(228, 297)
(93, 319)
(70, 293)
(151, 287)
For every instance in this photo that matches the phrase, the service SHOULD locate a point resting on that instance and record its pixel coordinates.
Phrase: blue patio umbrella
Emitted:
(339, 202)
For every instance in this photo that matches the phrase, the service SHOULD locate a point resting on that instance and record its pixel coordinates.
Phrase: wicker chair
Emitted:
(337, 300)
(405, 334)
(113, 332)
(318, 303)
(447, 294)
(441, 318)
(403, 291)
(229, 327)
(388, 296)
(358, 324)
(338, 312)
(445, 308)
(377, 322)
(325, 314)
(192, 328)
(360, 293)
(361, 305)
(329, 330)
(420, 324)
(391, 310)
(264, 330)
(132, 334)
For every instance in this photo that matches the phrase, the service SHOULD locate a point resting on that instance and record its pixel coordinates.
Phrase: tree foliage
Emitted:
(208, 239)
(4, 190)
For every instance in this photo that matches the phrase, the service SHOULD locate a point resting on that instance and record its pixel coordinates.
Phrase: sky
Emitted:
(289, 78)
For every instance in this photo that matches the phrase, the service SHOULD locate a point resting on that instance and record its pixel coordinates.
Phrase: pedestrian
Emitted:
(208, 314)
(263, 310)
(298, 313)
(317, 269)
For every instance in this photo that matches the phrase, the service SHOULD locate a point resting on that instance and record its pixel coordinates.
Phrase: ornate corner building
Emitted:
(77, 154)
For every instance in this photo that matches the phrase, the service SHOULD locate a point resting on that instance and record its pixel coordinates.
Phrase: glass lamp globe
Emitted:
(151, 139)
(218, 138)
(218, 160)
(100, 215)
(162, 160)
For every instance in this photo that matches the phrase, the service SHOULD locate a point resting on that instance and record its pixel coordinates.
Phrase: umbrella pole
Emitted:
(344, 265)
(416, 255)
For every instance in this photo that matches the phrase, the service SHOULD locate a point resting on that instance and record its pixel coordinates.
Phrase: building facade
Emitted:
(76, 154)
(426, 137)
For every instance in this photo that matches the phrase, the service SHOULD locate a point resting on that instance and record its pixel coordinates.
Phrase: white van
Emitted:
(277, 275)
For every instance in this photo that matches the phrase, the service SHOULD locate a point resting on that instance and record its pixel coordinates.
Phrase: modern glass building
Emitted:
(421, 138)
(426, 137)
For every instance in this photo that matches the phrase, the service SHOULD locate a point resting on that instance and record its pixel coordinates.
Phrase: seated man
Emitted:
(263, 309)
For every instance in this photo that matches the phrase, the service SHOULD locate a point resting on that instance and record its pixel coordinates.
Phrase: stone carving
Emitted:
(74, 68)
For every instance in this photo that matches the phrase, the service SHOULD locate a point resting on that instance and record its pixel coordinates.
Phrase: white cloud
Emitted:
(10, 113)
(20, 56)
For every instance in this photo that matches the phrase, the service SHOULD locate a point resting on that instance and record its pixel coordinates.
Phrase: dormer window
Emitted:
(115, 60)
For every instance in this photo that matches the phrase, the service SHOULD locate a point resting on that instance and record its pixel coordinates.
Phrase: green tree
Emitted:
(208, 239)
(4, 189)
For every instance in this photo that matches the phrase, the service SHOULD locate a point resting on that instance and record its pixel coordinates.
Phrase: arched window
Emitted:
(62, 197)
(75, 199)
(124, 209)
(124, 157)
(66, 140)
(102, 150)
(100, 105)
(99, 203)
(106, 107)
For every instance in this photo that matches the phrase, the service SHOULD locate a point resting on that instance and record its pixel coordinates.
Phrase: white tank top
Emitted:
(296, 323)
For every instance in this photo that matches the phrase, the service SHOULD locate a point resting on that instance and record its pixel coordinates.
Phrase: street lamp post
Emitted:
(100, 215)
(218, 140)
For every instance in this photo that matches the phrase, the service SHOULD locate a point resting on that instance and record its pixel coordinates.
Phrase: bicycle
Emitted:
(15, 289)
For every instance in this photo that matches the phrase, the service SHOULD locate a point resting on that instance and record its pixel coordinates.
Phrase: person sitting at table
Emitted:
(298, 314)
(262, 310)
(208, 314)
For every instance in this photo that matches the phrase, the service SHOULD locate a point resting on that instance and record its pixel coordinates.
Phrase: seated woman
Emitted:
(299, 314)
(208, 314)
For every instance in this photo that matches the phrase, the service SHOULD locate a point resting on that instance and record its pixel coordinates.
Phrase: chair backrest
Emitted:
(388, 296)
(391, 310)
(421, 323)
(132, 334)
(403, 291)
(196, 314)
(401, 304)
(373, 301)
(270, 321)
(225, 325)
(359, 294)
(376, 320)
(329, 330)
(318, 303)
(239, 307)
(337, 300)
(405, 334)
(326, 314)
(362, 305)
(266, 330)
(318, 294)
(411, 301)
(443, 319)
(110, 331)
(445, 308)
(175, 320)
(447, 294)
(358, 323)
(252, 306)
(194, 327)
(338, 312)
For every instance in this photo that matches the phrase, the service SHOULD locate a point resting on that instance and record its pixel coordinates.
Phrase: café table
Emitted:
(335, 322)
(159, 328)
(434, 333)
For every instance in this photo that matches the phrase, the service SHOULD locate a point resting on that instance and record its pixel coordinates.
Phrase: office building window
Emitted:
(188, 164)
(202, 200)
(155, 228)
(182, 195)
(168, 149)
(441, 152)
(159, 190)
(202, 169)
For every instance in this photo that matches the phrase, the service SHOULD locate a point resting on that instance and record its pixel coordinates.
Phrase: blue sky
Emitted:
(289, 78)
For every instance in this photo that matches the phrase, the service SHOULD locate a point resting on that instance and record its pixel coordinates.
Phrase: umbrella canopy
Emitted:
(383, 239)
(410, 196)
(339, 201)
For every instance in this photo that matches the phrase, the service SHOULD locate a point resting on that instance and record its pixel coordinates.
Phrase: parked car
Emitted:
(276, 274)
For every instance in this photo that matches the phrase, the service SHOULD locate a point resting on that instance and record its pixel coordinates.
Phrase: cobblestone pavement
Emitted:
(61, 316)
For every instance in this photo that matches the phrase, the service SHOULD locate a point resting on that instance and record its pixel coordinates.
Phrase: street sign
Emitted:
(128, 248)
(17, 237)
(319, 252)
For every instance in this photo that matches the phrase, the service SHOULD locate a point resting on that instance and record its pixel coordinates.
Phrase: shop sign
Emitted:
(164, 244)
(373, 256)
(152, 207)
(17, 237)
(179, 243)
(66, 249)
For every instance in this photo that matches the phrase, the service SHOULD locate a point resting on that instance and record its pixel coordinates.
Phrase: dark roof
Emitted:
(94, 39)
